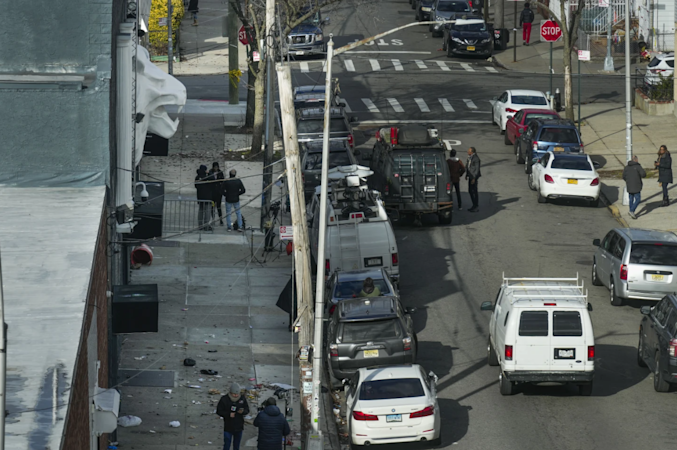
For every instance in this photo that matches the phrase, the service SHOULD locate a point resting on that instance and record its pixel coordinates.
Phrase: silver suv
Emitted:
(636, 264)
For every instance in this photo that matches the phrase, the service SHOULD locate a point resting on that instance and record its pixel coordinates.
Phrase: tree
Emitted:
(569, 38)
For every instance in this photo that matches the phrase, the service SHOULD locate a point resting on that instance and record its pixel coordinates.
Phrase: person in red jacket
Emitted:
(526, 19)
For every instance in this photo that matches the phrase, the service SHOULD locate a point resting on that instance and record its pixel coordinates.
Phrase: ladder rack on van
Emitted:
(515, 297)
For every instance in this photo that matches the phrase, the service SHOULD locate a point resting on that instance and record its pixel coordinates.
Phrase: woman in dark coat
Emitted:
(192, 8)
(664, 165)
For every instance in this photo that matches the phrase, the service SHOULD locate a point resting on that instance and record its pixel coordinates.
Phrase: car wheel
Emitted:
(613, 298)
(519, 159)
(640, 351)
(585, 389)
(541, 199)
(594, 203)
(491, 354)
(506, 386)
(527, 166)
(595, 279)
(659, 383)
(445, 217)
(506, 141)
(530, 181)
(493, 117)
(431, 29)
(444, 45)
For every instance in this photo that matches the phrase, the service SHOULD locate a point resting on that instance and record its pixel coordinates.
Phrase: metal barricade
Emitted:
(187, 216)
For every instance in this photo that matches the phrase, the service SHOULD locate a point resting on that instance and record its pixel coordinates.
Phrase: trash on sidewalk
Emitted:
(129, 421)
(175, 424)
(152, 431)
(189, 362)
(194, 386)
(139, 358)
(208, 372)
(212, 351)
(283, 386)
(214, 392)
(168, 391)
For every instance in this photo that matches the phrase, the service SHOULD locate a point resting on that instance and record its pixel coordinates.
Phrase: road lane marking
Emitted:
(397, 64)
(443, 65)
(446, 105)
(422, 105)
(467, 67)
(374, 64)
(395, 104)
(420, 64)
(469, 103)
(491, 69)
(304, 67)
(347, 106)
(368, 123)
(350, 67)
(370, 105)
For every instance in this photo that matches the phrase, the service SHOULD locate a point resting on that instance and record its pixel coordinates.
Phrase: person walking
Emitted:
(456, 170)
(633, 174)
(193, 8)
(233, 407)
(232, 189)
(204, 192)
(472, 174)
(526, 19)
(217, 175)
(664, 165)
(272, 425)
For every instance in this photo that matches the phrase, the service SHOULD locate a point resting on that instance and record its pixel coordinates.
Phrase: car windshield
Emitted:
(559, 135)
(312, 20)
(654, 254)
(569, 163)
(528, 100)
(371, 330)
(453, 6)
(391, 388)
(473, 27)
(350, 289)
(317, 125)
(533, 116)
(314, 160)
(654, 62)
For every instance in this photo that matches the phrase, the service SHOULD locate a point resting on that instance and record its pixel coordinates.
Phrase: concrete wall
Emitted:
(651, 107)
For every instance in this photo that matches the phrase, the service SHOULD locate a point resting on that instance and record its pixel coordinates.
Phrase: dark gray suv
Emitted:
(367, 332)
(657, 348)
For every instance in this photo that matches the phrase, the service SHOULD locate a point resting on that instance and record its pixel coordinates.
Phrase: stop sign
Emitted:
(550, 31)
(242, 36)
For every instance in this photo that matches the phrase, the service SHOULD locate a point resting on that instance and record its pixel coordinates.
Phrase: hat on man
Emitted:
(235, 388)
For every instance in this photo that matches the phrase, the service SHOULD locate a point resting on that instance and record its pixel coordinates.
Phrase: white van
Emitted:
(540, 331)
(359, 233)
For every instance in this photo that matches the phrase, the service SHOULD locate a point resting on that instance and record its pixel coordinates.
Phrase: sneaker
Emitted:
(229, 229)
(474, 209)
(460, 208)
(527, 44)
(240, 230)
(632, 214)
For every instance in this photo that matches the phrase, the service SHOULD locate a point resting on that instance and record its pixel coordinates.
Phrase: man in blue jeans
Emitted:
(232, 189)
(233, 407)
(633, 174)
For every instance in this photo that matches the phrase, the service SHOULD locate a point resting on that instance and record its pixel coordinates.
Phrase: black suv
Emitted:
(340, 154)
(366, 332)
(310, 125)
(471, 36)
(657, 346)
(411, 172)
(546, 135)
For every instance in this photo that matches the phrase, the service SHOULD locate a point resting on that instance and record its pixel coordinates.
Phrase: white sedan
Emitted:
(565, 175)
(511, 101)
(393, 404)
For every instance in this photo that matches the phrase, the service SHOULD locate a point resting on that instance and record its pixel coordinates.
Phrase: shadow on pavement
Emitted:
(436, 357)
(612, 193)
(601, 160)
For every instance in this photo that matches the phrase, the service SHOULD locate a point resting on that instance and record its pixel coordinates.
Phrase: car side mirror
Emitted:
(410, 309)
(433, 377)
(646, 310)
(475, 11)
(487, 306)
(345, 382)
(495, 99)
(326, 20)
(342, 104)
(535, 160)
(596, 242)
(589, 306)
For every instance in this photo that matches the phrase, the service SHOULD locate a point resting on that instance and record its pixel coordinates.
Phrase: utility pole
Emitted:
(499, 14)
(170, 41)
(270, 134)
(3, 363)
(608, 60)
(233, 60)
(628, 90)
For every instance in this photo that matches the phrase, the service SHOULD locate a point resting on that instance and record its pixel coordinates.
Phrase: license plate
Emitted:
(394, 418)
(371, 262)
(471, 48)
(300, 53)
(558, 149)
(657, 277)
(370, 353)
(429, 188)
(565, 353)
(572, 181)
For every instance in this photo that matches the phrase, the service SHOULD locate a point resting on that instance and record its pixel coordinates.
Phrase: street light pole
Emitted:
(270, 135)
(609, 61)
(628, 90)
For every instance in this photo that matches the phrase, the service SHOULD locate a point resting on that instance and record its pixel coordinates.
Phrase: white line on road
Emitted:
(386, 51)
(467, 67)
(347, 106)
(396, 121)
(446, 105)
(420, 64)
(469, 103)
(397, 64)
(481, 112)
(350, 67)
(374, 64)
(491, 69)
(304, 67)
(422, 104)
(395, 104)
(443, 65)
(370, 105)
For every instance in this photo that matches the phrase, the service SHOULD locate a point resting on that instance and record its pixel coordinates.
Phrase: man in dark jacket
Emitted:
(233, 407)
(664, 165)
(217, 175)
(272, 426)
(472, 174)
(633, 174)
(526, 19)
(456, 170)
(232, 189)
(204, 186)
(193, 8)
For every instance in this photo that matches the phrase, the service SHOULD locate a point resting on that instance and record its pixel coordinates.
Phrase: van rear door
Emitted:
(532, 349)
(652, 267)
(569, 349)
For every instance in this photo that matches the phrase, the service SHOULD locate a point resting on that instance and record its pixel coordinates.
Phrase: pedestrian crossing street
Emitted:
(417, 105)
(376, 65)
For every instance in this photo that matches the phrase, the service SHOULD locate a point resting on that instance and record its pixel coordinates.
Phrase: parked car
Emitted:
(636, 264)
(469, 36)
(343, 285)
(364, 332)
(340, 154)
(313, 96)
(393, 404)
(307, 38)
(423, 8)
(516, 125)
(509, 102)
(540, 331)
(562, 175)
(661, 66)
(657, 347)
(546, 135)
(310, 125)
(442, 10)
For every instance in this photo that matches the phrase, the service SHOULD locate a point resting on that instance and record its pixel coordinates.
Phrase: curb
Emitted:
(613, 209)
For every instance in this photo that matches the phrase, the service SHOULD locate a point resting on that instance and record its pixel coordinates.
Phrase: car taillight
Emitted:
(672, 350)
(508, 352)
(591, 352)
(582, 148)
(595, 182)
(393, 136)
(548, 179)
(510, 110)
(534, 146)
(427, 411)
(351, 140)
(395, 259)
(407, 343)
(448, 188)
(359, 415)
(333, 349)
(624, 272)
(327, 267)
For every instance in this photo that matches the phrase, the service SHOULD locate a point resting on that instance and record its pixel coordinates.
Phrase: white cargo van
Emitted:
(540, 331)
(359, 233)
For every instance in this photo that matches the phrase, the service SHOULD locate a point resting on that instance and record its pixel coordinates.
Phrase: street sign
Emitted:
(242, 36)
(286, 233)
(162, 21)
(550, 31)
(256, 56)
(584, 55)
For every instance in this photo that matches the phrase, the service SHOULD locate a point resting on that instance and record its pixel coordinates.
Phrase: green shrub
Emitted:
(158, 9)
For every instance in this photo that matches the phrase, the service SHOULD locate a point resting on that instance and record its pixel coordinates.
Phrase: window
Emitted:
(559, 135)
(371, 331)
(528, 100)
(471, 27)
(518, 117)
(571, 163)
(607, 240)
(654, 62)
(654, 254)
(350, 289)
(533, 116)
(503, 98)
(619, 248)
(671, 63)
(611, 244)
(566, 323)
(545, 159)
(533, 323)
(396, 388)
(662, 311)
(317, 125)
(453, 6)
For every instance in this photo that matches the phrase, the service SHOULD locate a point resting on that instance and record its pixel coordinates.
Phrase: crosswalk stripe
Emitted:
(446, 105)
(395, 104)
(467, 67)
(443, 65)
(491, 69)
(304, 67)
(350, 67)
(374, 64)
(422, 104)
(469, 103)
(370, 105)
(420, 64)
(397, 64)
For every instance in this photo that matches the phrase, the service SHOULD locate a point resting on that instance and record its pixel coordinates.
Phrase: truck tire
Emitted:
(614, 299)
(506, 386)
(445, 217)
(541, 199)
(659, 383)
(585, 390)
(506, 141)
(595, 279)
(640, 352)
(492, 359)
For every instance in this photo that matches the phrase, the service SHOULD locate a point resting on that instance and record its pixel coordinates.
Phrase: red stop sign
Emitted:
(242, 36)
(550, 31)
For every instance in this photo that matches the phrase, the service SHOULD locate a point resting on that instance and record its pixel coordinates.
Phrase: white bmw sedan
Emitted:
(565, 175)
(392, 404)
(510, 102)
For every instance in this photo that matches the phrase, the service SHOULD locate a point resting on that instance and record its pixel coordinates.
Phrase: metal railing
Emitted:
(595, 19)
(661, 89)
(187, 216)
